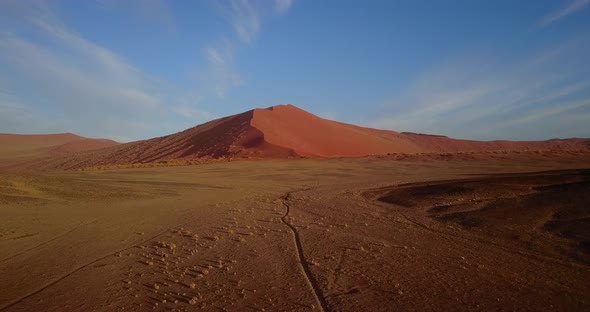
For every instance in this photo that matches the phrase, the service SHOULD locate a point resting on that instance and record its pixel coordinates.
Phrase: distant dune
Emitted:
(282, 131)
(22, 148)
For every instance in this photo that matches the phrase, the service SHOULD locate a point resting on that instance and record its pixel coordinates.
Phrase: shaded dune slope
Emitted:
(231, 136)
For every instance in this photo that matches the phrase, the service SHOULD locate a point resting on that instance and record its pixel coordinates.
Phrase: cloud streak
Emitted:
(68, 83)
(56, 80)
(573, 7)
(282, 6)
(221, 75)
(550, 111)
(480, 98)
(153, 11)
(245, 17)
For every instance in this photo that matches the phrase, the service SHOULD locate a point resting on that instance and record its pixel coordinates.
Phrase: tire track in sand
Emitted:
(313, 283)
(24, 297)
(48, 241)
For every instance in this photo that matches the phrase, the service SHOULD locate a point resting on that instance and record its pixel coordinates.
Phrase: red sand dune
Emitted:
(16, 148)
(284, 131)
(309, 135)
(35, 142)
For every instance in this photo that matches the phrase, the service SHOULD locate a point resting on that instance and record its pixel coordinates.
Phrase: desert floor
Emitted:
(299, 235)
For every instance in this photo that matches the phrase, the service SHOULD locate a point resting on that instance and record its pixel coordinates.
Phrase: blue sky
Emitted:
(136, 69)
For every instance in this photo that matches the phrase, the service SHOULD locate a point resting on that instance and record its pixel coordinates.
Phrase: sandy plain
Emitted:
(360, 234)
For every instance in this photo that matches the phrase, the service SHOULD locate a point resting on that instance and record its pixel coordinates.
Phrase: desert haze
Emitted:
(277, 209)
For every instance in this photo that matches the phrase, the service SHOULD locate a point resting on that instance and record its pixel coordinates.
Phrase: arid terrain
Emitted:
(363, 234)
(279, 210)
(290, 155)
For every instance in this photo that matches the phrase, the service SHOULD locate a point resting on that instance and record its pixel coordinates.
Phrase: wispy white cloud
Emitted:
(245, 17)
(282, 6)
(571, 8)
(217, 57)
(64, 82)
(328, 115)
(194, 114)
(85, 70)
(152, 11)
(490, 98)
(13, 114)
(549, 111)
(221, 74)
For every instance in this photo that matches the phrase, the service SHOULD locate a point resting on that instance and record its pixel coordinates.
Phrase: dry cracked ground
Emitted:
(304, 235)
